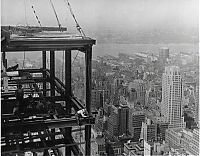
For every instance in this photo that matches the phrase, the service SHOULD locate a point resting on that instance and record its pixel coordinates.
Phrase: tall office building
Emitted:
(197, 120)
(194, 146)
(99, 97)
(153, 129)
(113, 122)
(137, 91)
(186, 139)
(172, 92)
(118, 120)
(136, 117)
(163, 55)
(123, 119)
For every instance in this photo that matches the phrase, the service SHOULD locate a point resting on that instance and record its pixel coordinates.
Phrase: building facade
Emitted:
(135, 123)
(197, 120)
(137, 91)
(194, 146)
(113, 122)
(172, 93)
(118, 120)
(180, 138)
(101, 146)
(154, 129)
(123, 119)
(163, 55)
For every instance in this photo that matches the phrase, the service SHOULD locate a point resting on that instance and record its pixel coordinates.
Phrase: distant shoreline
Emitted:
(114, 48)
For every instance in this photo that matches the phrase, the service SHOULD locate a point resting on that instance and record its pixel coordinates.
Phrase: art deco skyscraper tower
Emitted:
(172, 93)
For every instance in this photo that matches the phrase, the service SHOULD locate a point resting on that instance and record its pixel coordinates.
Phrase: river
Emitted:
(114, 49)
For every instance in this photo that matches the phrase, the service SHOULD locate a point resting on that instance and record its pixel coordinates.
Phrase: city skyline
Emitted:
(167, 21)
(129, 87)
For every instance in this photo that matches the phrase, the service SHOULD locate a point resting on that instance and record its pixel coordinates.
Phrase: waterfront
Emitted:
(115, 48)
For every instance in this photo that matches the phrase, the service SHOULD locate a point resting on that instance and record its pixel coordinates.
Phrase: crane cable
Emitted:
(36, 16)
(25, 16)
(59, 25)
(25, 13)
(77, 25)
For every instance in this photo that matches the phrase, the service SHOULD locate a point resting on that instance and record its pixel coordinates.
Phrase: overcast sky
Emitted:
(103, 14)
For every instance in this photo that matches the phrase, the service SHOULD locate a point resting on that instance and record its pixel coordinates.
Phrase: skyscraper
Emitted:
(153, 128)
(183, 138)
(123, 119)
(163, 55)
(172, 92)
(197, 106)
(113, 122)
(137, 91)
(118, 120)
(136, 117)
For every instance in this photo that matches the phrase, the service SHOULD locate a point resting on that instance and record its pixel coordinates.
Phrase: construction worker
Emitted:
(5, 38)
(19, 97)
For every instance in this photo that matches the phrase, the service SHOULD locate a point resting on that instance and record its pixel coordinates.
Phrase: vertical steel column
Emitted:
(4, 59)
(52, 72)
(44, 72)
(5, 79)
(52, 76)
(68, 94)
(88, 61)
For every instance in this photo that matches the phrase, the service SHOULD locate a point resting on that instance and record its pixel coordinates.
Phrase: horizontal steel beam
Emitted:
(13, 137)
(39, 146)
(46, 44)
(13, 28)
(36, 146)
(32, 70)
(24, 81)
(28, 90)
(26, 117)
(48, 98)
(39, 125)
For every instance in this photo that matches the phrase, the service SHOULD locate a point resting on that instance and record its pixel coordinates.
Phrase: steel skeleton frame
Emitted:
(12, 125)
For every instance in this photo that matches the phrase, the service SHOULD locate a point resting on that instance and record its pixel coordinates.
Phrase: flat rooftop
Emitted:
(134, 145)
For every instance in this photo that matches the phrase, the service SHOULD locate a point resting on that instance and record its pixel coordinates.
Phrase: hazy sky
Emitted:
(103, 14)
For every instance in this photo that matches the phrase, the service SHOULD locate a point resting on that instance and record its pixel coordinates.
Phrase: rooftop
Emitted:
(134, 145)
